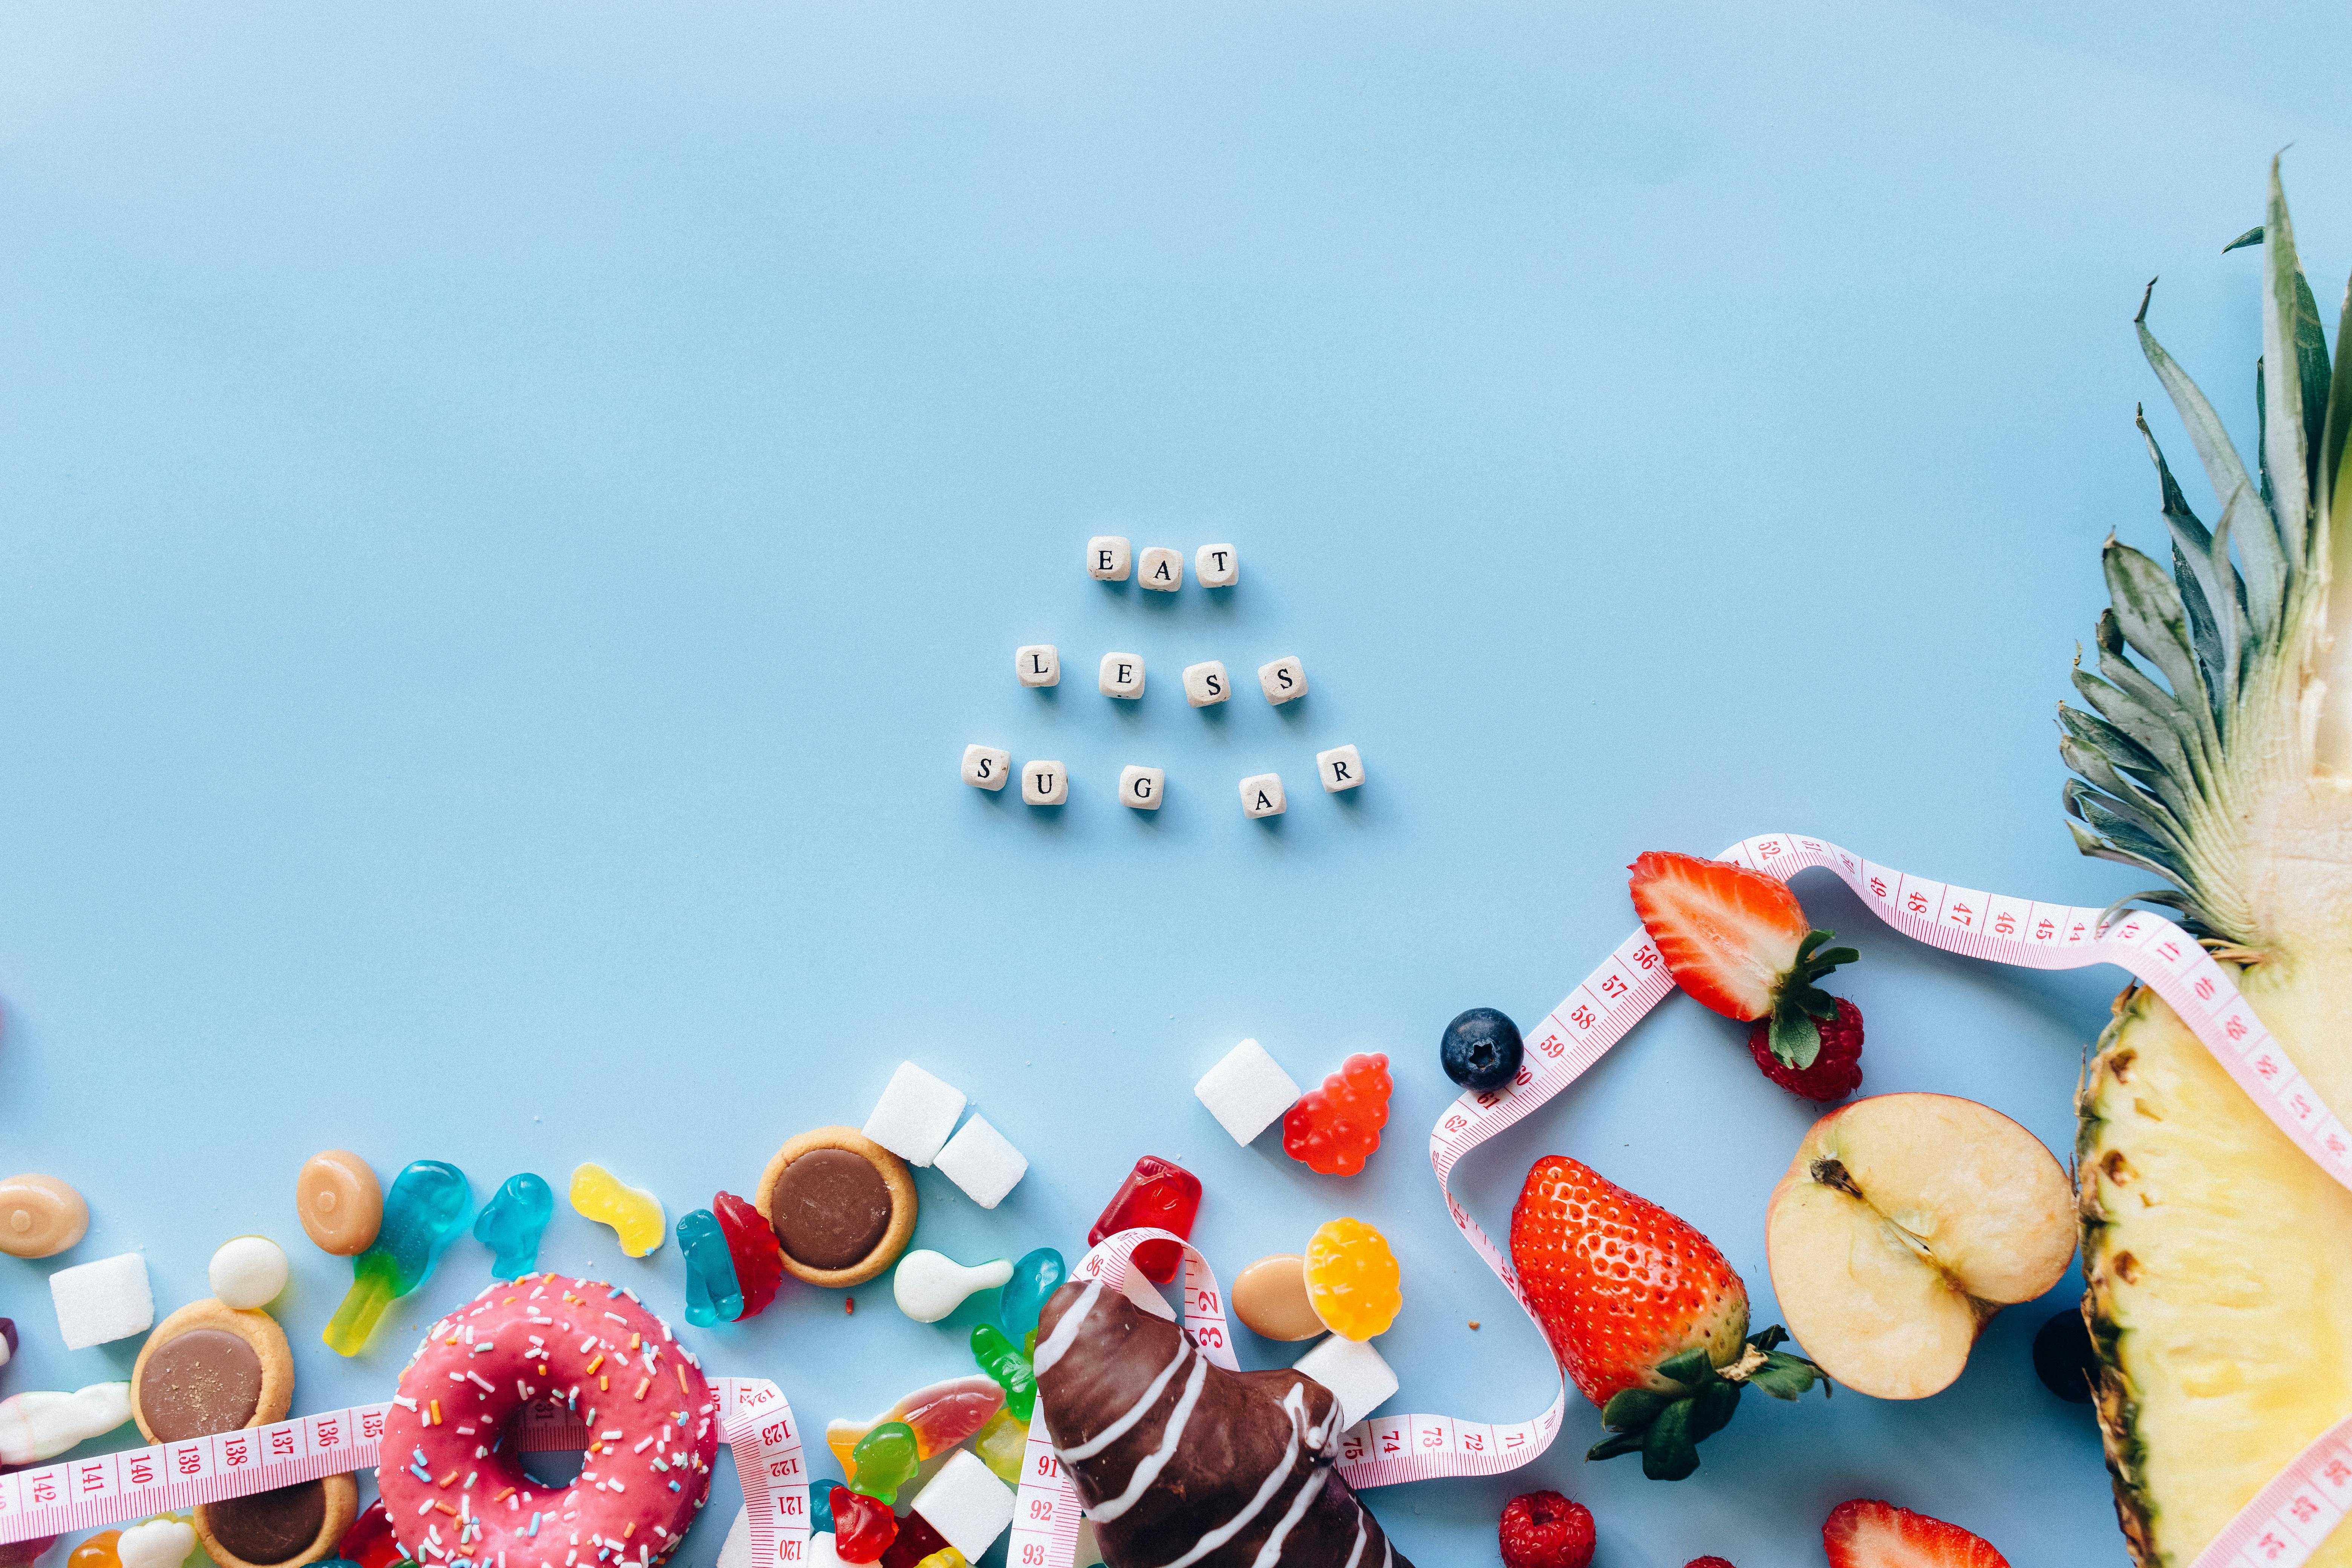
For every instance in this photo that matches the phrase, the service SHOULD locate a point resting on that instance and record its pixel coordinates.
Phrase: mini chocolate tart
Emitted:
(210, 1368)
(841, 1205)
(280, 1528)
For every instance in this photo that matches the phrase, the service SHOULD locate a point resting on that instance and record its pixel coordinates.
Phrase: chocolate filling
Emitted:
(204, 1381)
(831, 1207)
(271, 1526)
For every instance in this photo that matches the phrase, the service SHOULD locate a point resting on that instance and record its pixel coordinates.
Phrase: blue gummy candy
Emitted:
(713, 1294)
(512, 1223)
(1037, 1276)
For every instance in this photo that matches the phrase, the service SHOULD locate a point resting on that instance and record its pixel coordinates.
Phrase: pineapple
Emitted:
(2218, 1257)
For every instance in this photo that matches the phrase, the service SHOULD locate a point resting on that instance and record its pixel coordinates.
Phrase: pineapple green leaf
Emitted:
(2153, 618)
(2332, 484)
(2251, 237)
(2285, 443)
(2247, 523)
(2223, 467)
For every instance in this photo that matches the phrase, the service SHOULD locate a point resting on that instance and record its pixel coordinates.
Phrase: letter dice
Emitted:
(1206, 684)
(1262, 796)
(1045, 784)
(985, 767)
(1141, 787)
(1106, 557)
(1038, 663)
(1121, 675)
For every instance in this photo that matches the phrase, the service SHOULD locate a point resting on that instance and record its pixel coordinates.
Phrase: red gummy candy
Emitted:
(369, 1542)
(751, 1245)
(863, 1527)
(1335, 1129)
(1159, 1194)
(917, 1540)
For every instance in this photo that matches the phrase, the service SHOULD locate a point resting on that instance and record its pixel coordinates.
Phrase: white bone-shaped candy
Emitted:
(930, 1285)
(37, 1426)
(158, 1543)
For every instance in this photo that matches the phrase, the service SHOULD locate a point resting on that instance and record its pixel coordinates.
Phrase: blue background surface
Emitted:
(511, 514)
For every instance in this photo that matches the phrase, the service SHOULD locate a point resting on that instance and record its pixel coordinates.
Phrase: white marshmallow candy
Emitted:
(1217, 565)
(37, 1426)
(1284, 680)
(915, 1114)
(1247, 1092)
(930, 1285)
(158, 1543)
(966, 1504)
(1354, 1372)
(1121, 675)
(1045, 784)
(248, 1273)
(1037, 663)
(102, 1301)
(1159, 569)
(1262, 796)
(985, 767)
(983, 1162)
(735, 1551)
(1141, 787)
(1339, 768)
(1106, 557)
(1206, 685)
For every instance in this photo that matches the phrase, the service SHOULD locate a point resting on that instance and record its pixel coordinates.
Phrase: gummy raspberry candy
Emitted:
(1334, 1128)
(1544, 1530)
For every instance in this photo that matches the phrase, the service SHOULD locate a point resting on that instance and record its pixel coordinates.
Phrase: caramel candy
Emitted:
(40, 1217)
(1270, 1298)
(341, 1204)
(843, 1206)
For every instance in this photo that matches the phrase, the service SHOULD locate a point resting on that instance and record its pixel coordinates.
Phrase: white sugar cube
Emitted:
(1284, 680)
(1341, 768)
(1205, 684)
(735, 1551)
(1262, 796)
(1121, 675)
(985, 767)
(966, 1504)
(101, 1301)
(821, 1552)
(1045, 784)
(1217, 565)
(1106, 557)
(915, 1114)
(1159, 569)
(1247, 1092)
(1037, 663)
(982, 1162)
(1141, 787)
(1354, 1372)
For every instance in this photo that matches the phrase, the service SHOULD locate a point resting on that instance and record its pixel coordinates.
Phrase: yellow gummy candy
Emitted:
(1000, 1445)
(945, 1557)
(1351, 1280)
(635, 1214)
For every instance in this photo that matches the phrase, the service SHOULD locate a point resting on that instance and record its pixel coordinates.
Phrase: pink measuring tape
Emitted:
(2281, 1527)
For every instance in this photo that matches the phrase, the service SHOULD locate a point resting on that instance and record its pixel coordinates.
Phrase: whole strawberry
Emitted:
(1545, 1529)
(1644, 1314)
(1836, 1073)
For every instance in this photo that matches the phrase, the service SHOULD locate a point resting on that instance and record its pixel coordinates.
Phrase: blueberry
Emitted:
(1480, 1049)
(2063, 1359)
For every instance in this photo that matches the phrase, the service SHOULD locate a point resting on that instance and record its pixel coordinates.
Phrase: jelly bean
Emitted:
(98, 1551)
(712, 1294)
(941, 1415)
(751, 1245)
(1334, 1130)
(369, 1542)
(1011, 1369)
(1351, 1280)
(163, 1541)
(339, 1202)
(512, 1223)
(40, 1217)
(37, 1426)
(1159, 1194)
(424, 1211)
(884, 1460)
(916, 1540)
(635, 1214)
(1001, 1445)
(863, 1527)
(1037, 1276)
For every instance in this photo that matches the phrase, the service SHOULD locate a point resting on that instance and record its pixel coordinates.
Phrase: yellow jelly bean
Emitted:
(1351, 1280)
(945, 1557)
(635, 1214)
(1000, 1445)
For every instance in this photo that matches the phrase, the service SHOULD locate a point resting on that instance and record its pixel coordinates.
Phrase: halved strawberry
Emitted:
(1865, 1533)
(1738, 941)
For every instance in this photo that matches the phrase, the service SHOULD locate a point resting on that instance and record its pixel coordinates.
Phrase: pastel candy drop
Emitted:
(1003, 1361)
(1037, 1276)
(635, 1214)
(98, 1551)
(40, 1217)
(751, 1245)
(884, 1460)
(1157, 1194)
(1002, 1445)
(512, 1223)
(340, 1202)
(929, 1285)
(248, 1272)
(1351, 1280)
(37, 1426)
(425, 1211)
(713, 1292)
(162, 1542)
(369, 1542)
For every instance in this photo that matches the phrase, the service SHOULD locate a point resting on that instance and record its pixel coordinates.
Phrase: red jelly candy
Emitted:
(1163, 1195)
(751, 1245)
(863, 1527)
(1336, 1127)
(369, 1542)
(917, 1540)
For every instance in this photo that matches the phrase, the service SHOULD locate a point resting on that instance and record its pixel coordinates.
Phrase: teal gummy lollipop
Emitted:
(512, 1223)
(423, 1214)
(1037, 1276)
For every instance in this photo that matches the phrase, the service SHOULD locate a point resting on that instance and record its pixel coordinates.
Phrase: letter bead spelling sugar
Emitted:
(1045, 784)
(1282, 681)
(1341, 768)
(985, 767)
(1141, 787)
(1262, 796)
(1121, 675)
(1206, 685)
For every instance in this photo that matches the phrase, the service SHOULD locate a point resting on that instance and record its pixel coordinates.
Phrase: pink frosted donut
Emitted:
(452, 1477)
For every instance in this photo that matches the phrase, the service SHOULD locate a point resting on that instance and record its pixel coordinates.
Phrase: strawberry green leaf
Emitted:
(1669, 1452)
(1795, 1038)
(1631, 1409)
(1770, 1338)
(1610, 1447)
(1785, 1377)
(1712, 1407)
(1692, 1369)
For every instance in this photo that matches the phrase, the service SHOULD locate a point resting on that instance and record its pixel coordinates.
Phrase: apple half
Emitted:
(1904, 1223)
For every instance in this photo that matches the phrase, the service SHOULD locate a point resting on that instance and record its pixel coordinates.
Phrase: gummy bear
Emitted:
(512, 1223)
(1334, 1128)
(1008, 1366)
(1000, 1445)
(1159, 1194)
(916, 1540)
(863, 1527)
(940, 1415)
(752, 1244)
(884, 1460)
(1351, 1280)
(98, 1551)
(1037, 1276)
(635, 1214)
(369, 1542)
(712, 1294)
(423, 1214)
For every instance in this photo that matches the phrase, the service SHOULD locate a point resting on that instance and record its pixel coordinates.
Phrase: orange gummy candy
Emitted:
(1351, 1280)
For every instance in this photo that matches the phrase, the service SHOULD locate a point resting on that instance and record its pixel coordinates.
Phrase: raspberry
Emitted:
(1334, 1128)
(1707, 1562)
(1544, 1530)
(1835, 1073)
